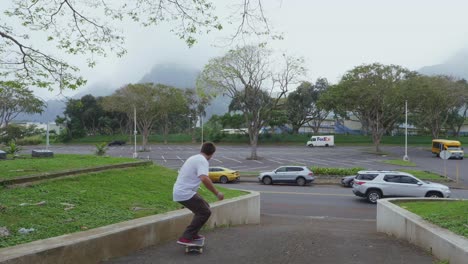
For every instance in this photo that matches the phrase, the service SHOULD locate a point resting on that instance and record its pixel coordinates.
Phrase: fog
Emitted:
(333, 36)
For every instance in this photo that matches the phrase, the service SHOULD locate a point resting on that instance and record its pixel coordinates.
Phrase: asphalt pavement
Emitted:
(290, 239)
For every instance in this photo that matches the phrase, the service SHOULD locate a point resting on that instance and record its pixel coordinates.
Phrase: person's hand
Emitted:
(220, 196)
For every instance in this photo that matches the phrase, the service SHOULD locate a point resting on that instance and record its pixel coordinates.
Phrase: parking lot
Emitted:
(235, 157)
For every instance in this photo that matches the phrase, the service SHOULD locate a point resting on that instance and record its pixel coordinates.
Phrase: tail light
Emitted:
(359, 182)
(311, 174)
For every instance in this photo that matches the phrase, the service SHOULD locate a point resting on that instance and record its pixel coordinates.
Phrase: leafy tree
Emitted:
(15, 98)
(250, 77)
(86, 28)
(435, 99)
(229, 120)
(374, 93)
(196, 105)
(458, 114)
(170, 101)
(304, 106)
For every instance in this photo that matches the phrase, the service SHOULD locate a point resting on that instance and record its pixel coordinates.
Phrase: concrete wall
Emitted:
(443, 244)
(123, 238)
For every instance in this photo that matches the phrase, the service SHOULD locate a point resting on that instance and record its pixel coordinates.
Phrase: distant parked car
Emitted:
(116, 143)
(223, 175)
(348, 181)
(301, 175)
(374, 185)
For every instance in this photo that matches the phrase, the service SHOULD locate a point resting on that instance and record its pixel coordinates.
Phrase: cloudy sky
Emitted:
(333, 36)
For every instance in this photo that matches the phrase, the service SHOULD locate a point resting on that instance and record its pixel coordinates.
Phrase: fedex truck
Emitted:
(321, 141)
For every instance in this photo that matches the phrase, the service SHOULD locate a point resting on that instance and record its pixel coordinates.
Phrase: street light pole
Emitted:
(406, 158)
(201, 121)
(135, 154)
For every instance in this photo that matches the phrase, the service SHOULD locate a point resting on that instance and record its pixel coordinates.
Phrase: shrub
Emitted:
(34, 140)
(101, 149)
(12, 148)
(336, 171)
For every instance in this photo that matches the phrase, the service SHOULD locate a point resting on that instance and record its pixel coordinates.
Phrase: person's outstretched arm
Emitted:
(210, 186)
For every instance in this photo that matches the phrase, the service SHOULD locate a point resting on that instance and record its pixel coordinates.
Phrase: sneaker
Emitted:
(185, 241)
(198, 237)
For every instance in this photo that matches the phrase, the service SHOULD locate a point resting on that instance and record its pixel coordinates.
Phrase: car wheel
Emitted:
(310, 145)
(223, 179)
(434, 195)
(300, 181)
(350, 184)
(326, 145)
(267, 180)
(373, 196)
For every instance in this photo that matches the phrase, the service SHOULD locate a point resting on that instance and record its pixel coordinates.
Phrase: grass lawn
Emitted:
(60, 162)
(400, 162)
(425, 175)
(70, 205)
(452, 215)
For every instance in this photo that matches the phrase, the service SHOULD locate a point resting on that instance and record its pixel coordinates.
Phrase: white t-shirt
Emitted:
(188, 180)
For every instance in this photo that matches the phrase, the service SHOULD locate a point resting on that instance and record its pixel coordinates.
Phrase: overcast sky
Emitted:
(333, 36)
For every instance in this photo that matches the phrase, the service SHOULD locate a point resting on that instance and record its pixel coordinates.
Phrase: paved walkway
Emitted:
(283, 239)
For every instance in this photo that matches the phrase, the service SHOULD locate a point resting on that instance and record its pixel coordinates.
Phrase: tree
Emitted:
(153, 105)
(140, 97)
(374, 93)
(304, 107)
(254, 80)
(15, 98)
(169, 101)
(90, 29)
(458, 114)
(435, 99)
(196, 105)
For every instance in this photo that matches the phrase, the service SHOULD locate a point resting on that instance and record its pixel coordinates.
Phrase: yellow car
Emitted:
(223, 175)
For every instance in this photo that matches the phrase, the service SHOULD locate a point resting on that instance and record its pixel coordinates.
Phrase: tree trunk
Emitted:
(253, 148)
(295, 129)
(166, 131)
(145, 136)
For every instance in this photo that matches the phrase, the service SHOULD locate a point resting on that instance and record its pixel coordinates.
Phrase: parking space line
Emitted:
(238, 161)
(217, 160)
(275, 161)
(314, 161)
(258, 161)
(163, 158)
(289, 160)
(181, 160)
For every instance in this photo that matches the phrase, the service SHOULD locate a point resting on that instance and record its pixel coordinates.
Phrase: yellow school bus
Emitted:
(452, 146)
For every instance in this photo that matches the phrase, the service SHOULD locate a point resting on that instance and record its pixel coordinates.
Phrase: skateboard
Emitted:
(196, 247)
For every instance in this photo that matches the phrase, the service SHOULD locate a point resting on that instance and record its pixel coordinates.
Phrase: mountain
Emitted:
(53, 109)
(169, 74)
(182, 77)
(456, 66)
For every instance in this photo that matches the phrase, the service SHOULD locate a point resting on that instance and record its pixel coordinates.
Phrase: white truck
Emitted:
(321, 141)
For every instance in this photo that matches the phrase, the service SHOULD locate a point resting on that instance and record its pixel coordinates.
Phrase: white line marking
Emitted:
(163, 158)
(238, 161)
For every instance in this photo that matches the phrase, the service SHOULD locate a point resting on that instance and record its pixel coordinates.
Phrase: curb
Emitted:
(43, 176)
(442, 243)
(120, 239)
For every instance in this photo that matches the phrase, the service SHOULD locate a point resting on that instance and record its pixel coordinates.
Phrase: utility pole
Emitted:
(406, 158)
(135, 154)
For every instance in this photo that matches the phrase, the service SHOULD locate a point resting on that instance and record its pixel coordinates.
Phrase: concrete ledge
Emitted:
(442, 243)
(120, 239)
(43, 176)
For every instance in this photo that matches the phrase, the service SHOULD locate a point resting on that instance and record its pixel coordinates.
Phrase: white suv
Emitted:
(288, 174)
(374, 185)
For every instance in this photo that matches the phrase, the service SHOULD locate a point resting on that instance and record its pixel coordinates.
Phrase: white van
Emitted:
(321, 141)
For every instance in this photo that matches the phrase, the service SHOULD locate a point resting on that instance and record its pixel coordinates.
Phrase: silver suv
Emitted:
(288, 174)
(374, 185)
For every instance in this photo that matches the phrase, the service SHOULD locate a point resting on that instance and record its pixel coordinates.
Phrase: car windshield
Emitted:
(453, 148)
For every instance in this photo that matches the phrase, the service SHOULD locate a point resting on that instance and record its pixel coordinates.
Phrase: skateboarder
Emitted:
(193, 172)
